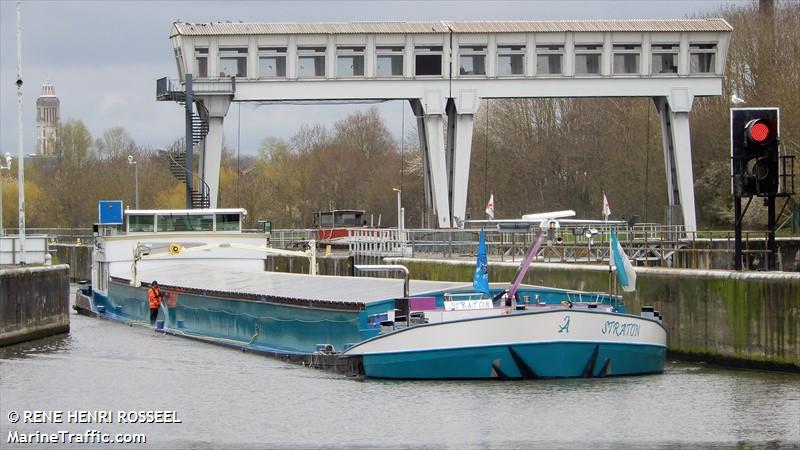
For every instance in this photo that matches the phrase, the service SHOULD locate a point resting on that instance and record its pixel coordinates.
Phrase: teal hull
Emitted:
(526, 360)
(255, 325)
(280, 329)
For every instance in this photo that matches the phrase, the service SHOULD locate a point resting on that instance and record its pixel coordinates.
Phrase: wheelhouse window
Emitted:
(325, 220)
(389, 61)
(272, 62)
(548, 59)
(228, 222)
(626, 58)
(204, 222)
(187, 222)
(338, 218)
(201, 62)
(141, 224)
(428, 60)
(233, 62)
(665, 58)
(587, 59)
(347, 219)
(167, 223)
(472, 60)
(702, 58)
(510, 60)
(311, 62)
(350, 62)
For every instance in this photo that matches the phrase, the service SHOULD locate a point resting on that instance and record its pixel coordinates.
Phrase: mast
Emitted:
(606, 213)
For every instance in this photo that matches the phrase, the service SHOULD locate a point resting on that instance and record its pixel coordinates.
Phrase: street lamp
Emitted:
(135, 177)
(7, 166)
(399, 210)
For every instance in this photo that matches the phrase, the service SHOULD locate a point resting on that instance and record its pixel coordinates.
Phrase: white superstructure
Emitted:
(168, 237)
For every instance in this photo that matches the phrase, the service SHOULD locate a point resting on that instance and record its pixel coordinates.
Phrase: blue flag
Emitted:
(625, 272)
(480, 280)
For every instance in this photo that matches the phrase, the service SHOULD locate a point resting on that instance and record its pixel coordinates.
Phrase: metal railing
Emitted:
(59, 235)
(646, 244)
(292, 238)
(166, 87)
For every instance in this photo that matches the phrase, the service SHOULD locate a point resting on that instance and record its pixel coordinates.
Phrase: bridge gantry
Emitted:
(444, 69)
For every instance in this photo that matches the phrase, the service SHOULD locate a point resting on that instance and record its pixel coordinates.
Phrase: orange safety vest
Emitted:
(154, 297)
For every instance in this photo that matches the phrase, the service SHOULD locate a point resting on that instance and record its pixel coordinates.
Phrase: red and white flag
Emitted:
(606, 208)
(490, 208)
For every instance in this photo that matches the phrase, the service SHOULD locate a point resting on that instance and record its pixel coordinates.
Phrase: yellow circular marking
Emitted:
(174, 249)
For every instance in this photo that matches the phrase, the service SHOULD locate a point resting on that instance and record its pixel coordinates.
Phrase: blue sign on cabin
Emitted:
(109, 212)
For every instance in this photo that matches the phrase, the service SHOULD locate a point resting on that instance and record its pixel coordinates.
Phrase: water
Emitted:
(231, 399)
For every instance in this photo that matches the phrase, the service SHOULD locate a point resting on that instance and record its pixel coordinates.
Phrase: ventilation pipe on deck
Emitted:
(388, 268)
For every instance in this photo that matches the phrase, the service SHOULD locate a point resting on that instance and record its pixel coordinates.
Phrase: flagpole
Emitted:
(606, 210)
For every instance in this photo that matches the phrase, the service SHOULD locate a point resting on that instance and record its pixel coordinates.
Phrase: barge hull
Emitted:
(520, 361)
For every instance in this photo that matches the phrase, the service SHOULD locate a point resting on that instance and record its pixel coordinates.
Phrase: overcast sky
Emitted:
(104, 56)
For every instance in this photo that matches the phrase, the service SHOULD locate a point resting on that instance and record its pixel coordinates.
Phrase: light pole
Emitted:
(399, 211)
(135, 178)
(20, 153)
(7, 166)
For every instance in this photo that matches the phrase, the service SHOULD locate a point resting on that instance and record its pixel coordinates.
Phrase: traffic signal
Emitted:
(755, 160)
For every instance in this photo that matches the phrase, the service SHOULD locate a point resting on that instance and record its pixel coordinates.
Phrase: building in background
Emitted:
(47, 119)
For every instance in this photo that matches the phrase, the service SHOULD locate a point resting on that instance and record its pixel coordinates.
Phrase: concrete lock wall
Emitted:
(78, 256)
(327, 265)
(718, 254)
(749, 319)
(34, 303)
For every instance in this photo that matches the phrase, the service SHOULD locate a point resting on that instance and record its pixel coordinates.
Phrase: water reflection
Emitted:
(49, 345)
(231, 399)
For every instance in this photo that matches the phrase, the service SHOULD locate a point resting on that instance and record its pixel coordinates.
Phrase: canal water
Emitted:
(228, 399)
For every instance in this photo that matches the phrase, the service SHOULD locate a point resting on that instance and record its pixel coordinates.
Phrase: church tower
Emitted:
(47, 118)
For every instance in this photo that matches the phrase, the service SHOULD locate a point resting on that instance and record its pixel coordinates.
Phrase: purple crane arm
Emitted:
(523, 268)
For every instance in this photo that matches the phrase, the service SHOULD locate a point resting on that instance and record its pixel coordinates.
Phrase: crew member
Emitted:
(154, 297)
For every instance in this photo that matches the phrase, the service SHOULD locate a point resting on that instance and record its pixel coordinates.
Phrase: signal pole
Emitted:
(756, 171)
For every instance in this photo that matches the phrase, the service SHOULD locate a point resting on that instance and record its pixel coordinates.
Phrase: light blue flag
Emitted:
(625, 272)
(480, 280)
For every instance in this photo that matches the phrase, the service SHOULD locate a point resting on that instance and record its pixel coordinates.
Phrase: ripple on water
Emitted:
(228, 398)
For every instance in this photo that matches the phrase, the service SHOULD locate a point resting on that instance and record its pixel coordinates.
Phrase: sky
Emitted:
(104, 56)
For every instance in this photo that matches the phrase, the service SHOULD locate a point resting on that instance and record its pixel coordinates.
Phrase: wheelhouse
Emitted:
(184, 220)
(339, 218)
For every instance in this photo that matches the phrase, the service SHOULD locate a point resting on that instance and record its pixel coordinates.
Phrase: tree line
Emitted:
(533, 154)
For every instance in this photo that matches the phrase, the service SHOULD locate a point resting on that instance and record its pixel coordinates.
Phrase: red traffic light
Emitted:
(760, 131)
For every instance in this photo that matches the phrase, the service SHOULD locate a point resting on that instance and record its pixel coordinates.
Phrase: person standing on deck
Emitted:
(154, 298)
